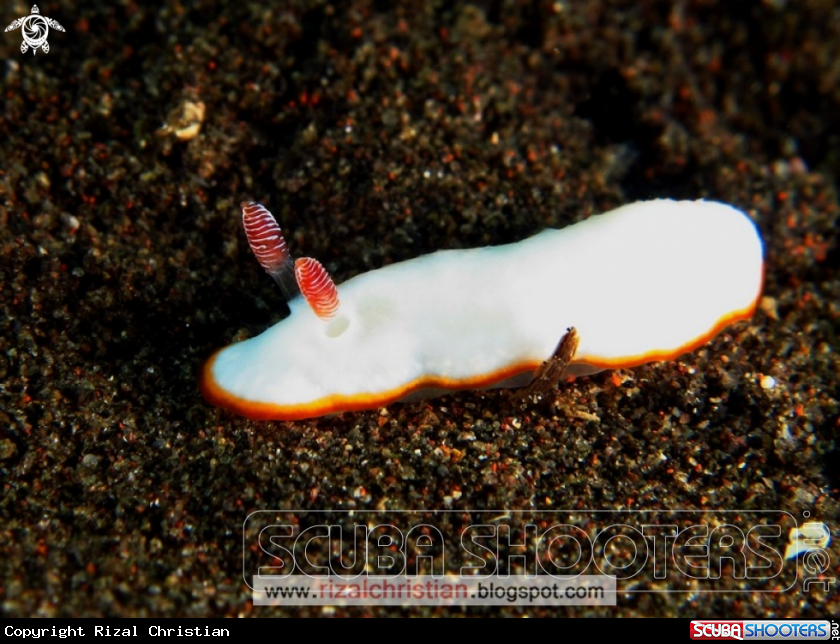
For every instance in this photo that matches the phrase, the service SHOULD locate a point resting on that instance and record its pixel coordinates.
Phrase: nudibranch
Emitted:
(644, 282)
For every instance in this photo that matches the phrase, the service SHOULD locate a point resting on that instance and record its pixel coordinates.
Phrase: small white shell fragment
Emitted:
(767, 382)
(185, 120)
(645, 282)
(808, 537)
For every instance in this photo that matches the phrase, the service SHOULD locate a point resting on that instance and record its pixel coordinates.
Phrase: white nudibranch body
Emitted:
(645, 282)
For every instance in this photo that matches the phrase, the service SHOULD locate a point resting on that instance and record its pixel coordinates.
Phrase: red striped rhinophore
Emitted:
(264, 236)
(317, 287)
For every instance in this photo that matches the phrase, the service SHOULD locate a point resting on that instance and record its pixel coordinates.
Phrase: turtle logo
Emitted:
(35, 30)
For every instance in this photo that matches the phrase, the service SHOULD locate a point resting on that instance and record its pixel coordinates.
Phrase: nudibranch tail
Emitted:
(317, 287)
(267, 242)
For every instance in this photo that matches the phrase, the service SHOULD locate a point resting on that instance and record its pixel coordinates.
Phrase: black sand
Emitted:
(376, 134)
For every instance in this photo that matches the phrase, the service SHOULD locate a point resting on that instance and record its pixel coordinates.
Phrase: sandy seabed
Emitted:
(377, 132)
